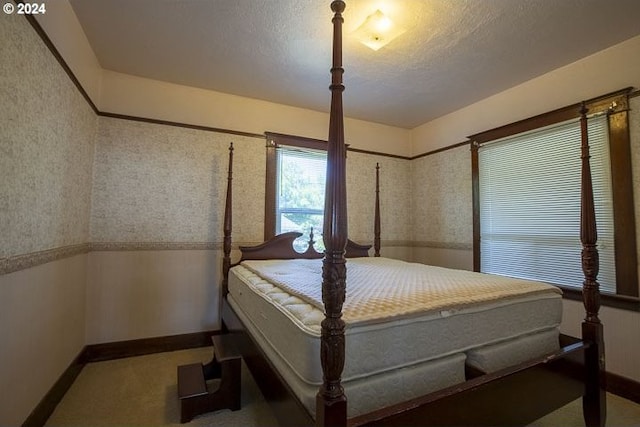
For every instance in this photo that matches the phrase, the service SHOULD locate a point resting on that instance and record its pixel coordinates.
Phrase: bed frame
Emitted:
(517, 395)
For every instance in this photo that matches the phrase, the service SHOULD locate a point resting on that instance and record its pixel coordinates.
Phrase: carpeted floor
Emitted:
(141, 391)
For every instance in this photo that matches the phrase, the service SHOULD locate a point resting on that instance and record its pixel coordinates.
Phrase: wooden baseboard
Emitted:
(47, 405)
(623, 387)
(616, 384)
(139, 347)
(115, 350)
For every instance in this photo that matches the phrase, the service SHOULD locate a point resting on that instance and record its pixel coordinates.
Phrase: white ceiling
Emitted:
(454, 52)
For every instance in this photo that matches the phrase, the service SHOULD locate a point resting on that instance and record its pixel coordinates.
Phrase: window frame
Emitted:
(275, 140)
(616, 104)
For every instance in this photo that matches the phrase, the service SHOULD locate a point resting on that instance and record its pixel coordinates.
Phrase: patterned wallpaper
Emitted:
(162, 184)
(46, 147)
(442, 198)
(426, 200)
(395, 197)
(442, 213)
(158, 183)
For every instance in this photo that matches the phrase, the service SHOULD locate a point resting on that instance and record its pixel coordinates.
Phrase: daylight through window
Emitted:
(530, 204)
(300, 188)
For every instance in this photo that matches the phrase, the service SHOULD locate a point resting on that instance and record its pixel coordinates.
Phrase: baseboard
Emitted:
(115, 350)
(139, 347)
(623, 387)
(616, 384)
(47, 405)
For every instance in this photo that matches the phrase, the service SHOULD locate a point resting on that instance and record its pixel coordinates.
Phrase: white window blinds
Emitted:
(530, 204)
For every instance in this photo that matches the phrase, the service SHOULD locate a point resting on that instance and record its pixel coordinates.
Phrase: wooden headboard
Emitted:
(281, 247)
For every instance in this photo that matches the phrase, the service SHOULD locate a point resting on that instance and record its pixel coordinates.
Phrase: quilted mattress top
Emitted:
(379, 289)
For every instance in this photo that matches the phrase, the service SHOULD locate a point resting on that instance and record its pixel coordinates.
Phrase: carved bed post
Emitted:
(594, 401)
(226, 246)
(376, 226)
(331, 402)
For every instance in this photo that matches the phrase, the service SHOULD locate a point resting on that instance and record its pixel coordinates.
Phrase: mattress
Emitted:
(382, 289)
(493, 357)
(368, 393)
(290, 324)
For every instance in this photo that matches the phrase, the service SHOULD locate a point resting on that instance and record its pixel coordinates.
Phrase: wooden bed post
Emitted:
(376, 226)
(594, 401)
(226, 246)
(331, 402)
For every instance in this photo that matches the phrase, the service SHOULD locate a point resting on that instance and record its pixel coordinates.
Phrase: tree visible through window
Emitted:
(295, 187)
(300, 193)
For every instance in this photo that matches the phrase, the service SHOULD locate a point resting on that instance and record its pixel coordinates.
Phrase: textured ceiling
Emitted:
(454, 52)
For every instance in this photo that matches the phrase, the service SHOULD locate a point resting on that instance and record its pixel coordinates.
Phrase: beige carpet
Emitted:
(141, 391)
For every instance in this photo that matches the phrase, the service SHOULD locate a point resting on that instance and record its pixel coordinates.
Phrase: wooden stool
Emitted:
(195, 398)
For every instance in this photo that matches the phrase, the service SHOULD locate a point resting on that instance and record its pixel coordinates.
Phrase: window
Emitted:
(530, 204)
(296, 171)
(526, 189)
(300, 192)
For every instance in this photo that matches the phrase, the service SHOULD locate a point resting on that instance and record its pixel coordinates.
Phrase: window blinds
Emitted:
(530, 204)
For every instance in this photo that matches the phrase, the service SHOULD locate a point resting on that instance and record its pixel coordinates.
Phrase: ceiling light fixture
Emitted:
(377, 30)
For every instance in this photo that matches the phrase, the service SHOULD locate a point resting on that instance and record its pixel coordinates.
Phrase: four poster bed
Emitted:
(394, 352)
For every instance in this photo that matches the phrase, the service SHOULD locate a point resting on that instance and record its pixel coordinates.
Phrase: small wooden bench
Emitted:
(195, 396)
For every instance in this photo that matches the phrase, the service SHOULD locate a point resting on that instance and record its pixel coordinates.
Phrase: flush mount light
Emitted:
(377, 30)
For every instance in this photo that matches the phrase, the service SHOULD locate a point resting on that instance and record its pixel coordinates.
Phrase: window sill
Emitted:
(608, 300)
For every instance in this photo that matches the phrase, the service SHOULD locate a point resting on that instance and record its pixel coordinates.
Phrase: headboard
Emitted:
(281, 247)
